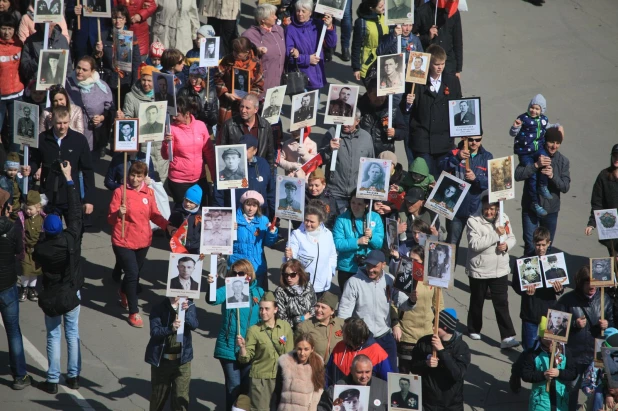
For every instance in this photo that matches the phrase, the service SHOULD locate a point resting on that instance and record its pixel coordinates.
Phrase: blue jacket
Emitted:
(260, 180)
(161, 318)
(85, 39)
(471, 204)
(225, 347)
(250, 241)
(7, 185)
(346, 239)
(530, 137)
(194, 230)
(115, 170)
(408, 44)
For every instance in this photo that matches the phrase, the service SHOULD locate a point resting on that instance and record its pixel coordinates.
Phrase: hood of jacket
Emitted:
(419, 165)
(300, 25)
(365, 13)
(136, 89)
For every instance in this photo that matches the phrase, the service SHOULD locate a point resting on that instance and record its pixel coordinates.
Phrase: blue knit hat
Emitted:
(448, 320)
(52, 225)
(611, 337)
(194, 194)
(540, 100)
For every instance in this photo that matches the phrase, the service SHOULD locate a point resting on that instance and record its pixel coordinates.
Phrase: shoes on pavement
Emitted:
(123, 299)
(73, 383)
(23, 294)
(32, 294)
(544, 191)
(21, 383)
(135, 320)
(475, 336)
(509, 342)
(540, 211)
(49, 387)
(345, 55)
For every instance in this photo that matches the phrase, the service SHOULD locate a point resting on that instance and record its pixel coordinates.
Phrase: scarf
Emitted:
(249, 219)
(85, 86)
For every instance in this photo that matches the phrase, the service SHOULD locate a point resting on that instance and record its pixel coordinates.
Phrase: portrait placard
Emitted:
(554, 269)
(447, 195)
(607, 223)
(290, 198)
(418, 67)
(602, 272)
(165, 90)
(305, 110)
(241, 82)
(184, 276)
(501, 183)
(52, 68)
(126, 135)
(273, 101)
(217, 230)
(341, 104)
(391, 74)
(123, 50)
(351, 397)
(373, 178)
(392, 238)
(152, 117)
(558, 326)
(26, 124)
(48, 11)
(399, 12)
(529, 271)
(610, 363)
(465, 117)
(439, 264)
(97, 8)
(599, 343)
(209, 51)
(237, 292)
(231, 163)
(407, 273)
(405, 392)
(335, 8)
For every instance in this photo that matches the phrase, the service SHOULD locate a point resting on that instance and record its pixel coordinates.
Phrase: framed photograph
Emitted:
(209, 51)
(405, 392)
(231, 164)
(126, 135)
(558, 325)
(165, 90)
(184, 276)
(465, 117)
(599, 343)
(341, 105)
(439, 264)
(26, 124)
(273, 101)
(305, 110)
(241, 82)
(152, 117)
(529, 270)
(408, 273)
(335, 8)
(447, 195)
(501, 180)
(602, 272)
(373, 178)
(273, 2)
(237, 292)
(399, 12)
(97, 8)
(217, 227)
(610, 365)
(350, 397)
(391, 74)
(48, 11)
(123, 50)
(418, 67)
(607, 223)
(554, 269)
(52, 68)
(392, 238)
(290, 198)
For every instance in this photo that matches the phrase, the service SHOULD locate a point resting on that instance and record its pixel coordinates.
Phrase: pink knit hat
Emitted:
(254, 195)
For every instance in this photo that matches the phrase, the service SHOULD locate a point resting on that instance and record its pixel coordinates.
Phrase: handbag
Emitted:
(296, 81)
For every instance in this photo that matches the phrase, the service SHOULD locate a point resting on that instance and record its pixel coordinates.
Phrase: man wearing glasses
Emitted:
(475, 173)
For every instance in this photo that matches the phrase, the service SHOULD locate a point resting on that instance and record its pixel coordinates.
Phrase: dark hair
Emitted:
(582, 277)
(122, 9)
(90, 60)
(541, 233)
(316, 209)
(421, 226)
(366, 6)
(436, 52)
(296, 266)
(170, 58)
(418, 250)
(355, 332)
(353, 194)
(139, 167)
(315, 362)
(183, 259)
(8, 19)
(58, 89)
(241, 45)
(186, 105)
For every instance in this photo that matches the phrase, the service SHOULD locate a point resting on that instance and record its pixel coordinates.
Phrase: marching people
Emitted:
(189, 214)
(317, 191)
(295, 295)
(58, 96)
(324, 327)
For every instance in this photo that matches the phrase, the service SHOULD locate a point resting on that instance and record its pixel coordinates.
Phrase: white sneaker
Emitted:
(475, 336)
(509, 343)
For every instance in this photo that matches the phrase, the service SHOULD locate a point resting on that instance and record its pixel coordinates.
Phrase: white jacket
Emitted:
(484, 261)
(318, 255)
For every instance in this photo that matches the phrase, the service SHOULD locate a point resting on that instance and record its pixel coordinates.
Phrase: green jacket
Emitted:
(264, 347)
(325, 338)
(419, 165)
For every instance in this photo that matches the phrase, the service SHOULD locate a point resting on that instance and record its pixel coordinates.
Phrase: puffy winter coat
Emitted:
(141, 209)
(275, 57)
(484, 261)
(317, 254)
(11, 245)
(348, 229)
(140, 30)
(10, 57)
(192, 147)
(295, 387)
(251, 238)
(369, 30)
(530, 136)
(175, 24)
(292, 303)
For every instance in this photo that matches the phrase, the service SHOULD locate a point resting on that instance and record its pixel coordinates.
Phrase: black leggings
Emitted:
(131, 261)
(178, 190)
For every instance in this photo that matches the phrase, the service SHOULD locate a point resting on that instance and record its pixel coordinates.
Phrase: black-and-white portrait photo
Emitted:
(392, 238)
(209, 52)
(373, 177)
(231, 164)
(184, 275)
(304, 110)
(152, 120)
(217, 226)
(465, 117)
(241, 82)
(554, 269)
(165, 90)
(52, 68)
(237, 292)
(335, 8)
(290, 198)
(501, 184)
(399, 11)
(558, 326)
(418, 67)
(607, 223)
(351, 397)
(439, 264)
(97, 8)
(26, 124)
(391, 75)
(447, 195)
(404, 391)
(273, 101)
(529, 269)
(48, 11)
(125, 132)
(341, 105)
(601, 272)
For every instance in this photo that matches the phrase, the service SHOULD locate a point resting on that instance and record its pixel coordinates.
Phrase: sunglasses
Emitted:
(290, 275)
(474, 140)
(238, 273)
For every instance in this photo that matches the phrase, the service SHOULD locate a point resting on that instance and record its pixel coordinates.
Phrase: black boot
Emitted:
(328, 54)
(345, 55)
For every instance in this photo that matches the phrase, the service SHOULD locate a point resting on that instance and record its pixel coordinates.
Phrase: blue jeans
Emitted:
(530, 221)
(9, 309)
(537, 179)
(529, 332)
(346, 26)
(388, 343)
(71, 334)
(454, 231)
(236, 380)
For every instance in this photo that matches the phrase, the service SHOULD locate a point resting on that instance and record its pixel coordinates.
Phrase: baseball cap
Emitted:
(415, 194)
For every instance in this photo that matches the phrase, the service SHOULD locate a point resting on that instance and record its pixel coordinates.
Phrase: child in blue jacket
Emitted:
(189, 213)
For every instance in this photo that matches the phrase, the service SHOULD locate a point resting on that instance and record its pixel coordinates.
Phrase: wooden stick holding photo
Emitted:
(333, 159)
(124, 189)
(390, 96)
(465, 147)
(602, 308)
(436, 320)
(551, 364)
(79, 18)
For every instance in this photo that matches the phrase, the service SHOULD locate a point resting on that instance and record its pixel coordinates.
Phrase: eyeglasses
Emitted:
(290, 275)
(119, 18)
(474, 140)
(238, 273)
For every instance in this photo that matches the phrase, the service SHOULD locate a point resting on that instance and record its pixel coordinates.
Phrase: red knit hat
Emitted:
(156, 50)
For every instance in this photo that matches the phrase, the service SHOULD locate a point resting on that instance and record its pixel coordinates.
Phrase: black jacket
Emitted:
(533, 307)
(443, 385)
(378, 390)
(106, 63)
(29, 64)
(429, 118)
(581, 340)
(207, 110)
(604, 196)
(375, 122)
(449, 34)
(11, 245)
(330, 206)
(75, 150)
(232, 131)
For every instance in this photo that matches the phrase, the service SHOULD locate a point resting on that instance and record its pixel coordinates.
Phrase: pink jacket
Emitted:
(192, 147)
(141, 30)
(26, 27)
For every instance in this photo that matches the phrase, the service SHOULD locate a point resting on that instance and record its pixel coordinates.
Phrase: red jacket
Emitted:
(141, 209)
(192, 147)
(10, 57)
(140, 30)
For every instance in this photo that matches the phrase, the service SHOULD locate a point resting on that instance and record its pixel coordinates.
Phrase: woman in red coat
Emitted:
(140, 11)
(131, 249)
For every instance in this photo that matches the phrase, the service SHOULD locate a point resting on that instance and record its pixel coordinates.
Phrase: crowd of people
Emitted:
(289, 348)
